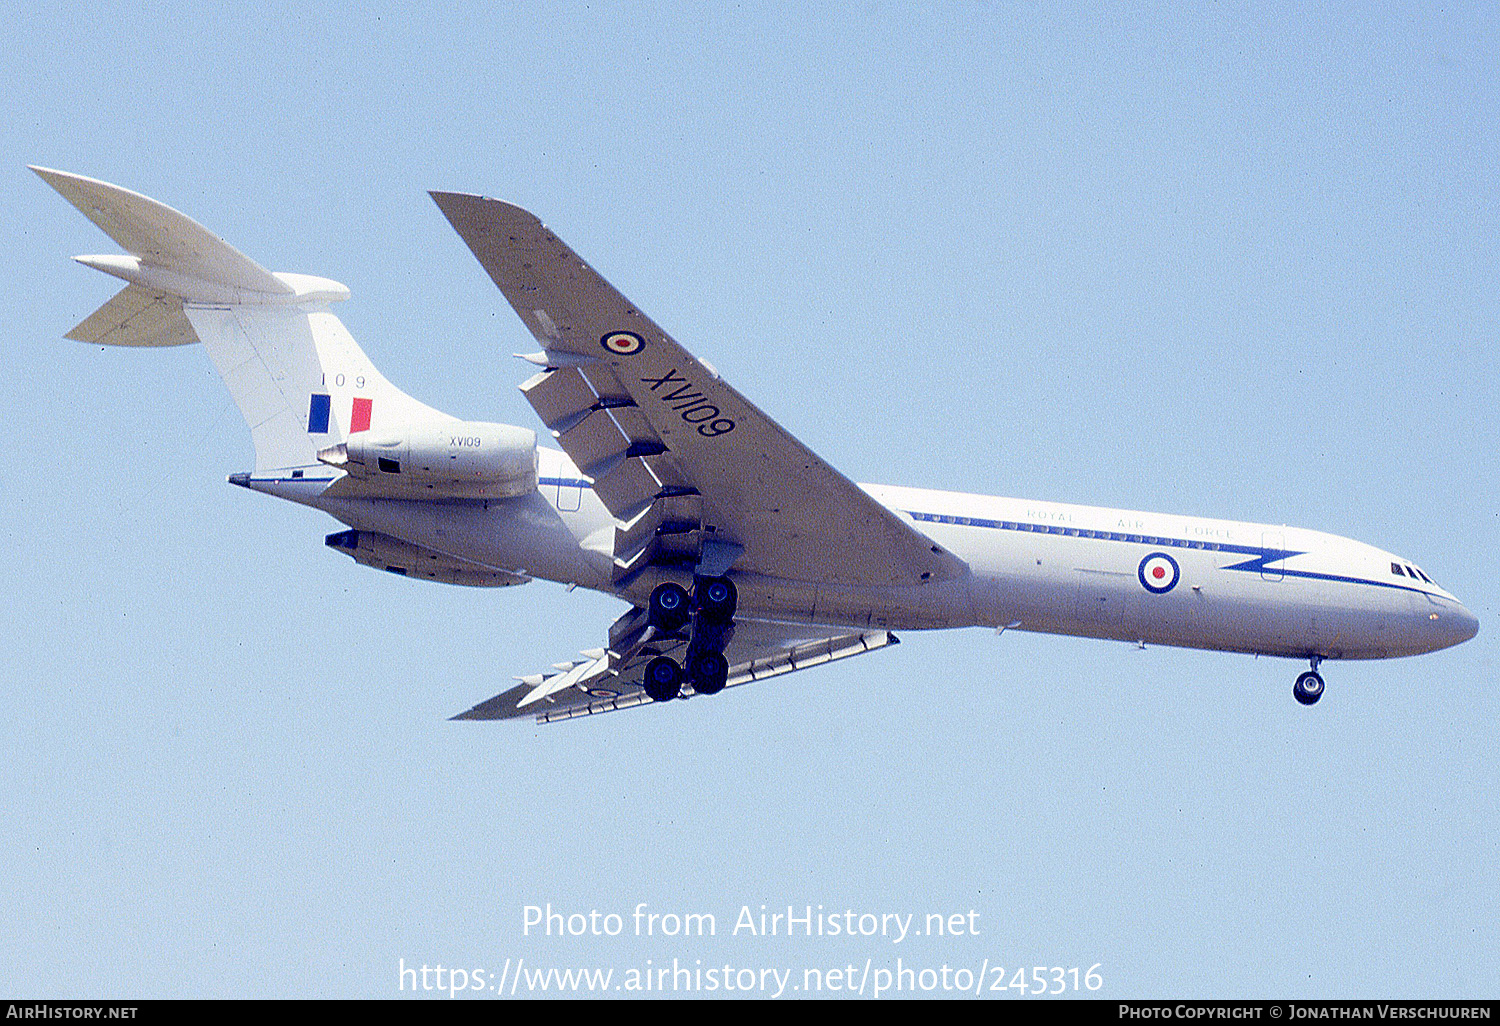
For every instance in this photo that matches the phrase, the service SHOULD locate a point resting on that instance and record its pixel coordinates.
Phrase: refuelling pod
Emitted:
(452, 459)
(383, 552)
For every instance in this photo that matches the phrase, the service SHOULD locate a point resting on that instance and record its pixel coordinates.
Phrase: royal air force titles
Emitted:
(796, 921)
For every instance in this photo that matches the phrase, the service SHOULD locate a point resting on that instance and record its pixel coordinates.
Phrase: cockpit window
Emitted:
(1407, 570)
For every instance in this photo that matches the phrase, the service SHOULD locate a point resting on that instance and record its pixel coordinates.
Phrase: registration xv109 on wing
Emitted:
(739, 553)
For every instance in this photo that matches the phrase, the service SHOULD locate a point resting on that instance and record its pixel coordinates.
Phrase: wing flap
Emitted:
(603, 432)
(560, 397)
(595, 443)
(627, 489)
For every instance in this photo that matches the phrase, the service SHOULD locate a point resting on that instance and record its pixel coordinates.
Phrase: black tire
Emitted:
(670, 607)
(663, 679)
(716, 598)
(1308, 689)
(709, 671)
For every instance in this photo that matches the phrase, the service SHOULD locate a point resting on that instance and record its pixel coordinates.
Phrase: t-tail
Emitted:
(303, 384)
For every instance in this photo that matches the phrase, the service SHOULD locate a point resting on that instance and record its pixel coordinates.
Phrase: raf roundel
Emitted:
(623, 343)
(1158, 573)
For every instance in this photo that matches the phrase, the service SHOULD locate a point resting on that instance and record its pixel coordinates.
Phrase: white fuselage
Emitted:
(1036, 566)
(477, 503)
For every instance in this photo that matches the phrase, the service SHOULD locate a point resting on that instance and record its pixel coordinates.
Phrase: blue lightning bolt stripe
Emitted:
(1262, 557)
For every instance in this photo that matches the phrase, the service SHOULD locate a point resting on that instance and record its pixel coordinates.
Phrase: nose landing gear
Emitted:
(1309, 686)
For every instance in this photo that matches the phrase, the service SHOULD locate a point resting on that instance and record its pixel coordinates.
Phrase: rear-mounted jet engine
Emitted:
(455, 459)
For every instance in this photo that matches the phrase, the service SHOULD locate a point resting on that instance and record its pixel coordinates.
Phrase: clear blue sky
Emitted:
(1236, 261)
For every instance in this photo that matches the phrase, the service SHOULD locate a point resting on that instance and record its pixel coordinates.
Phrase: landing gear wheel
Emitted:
(1308, 689)
(663, 680)
(716, 598)
(709, 672)
(670, 607)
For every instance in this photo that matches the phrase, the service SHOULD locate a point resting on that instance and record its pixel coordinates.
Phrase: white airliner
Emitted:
(741, 553)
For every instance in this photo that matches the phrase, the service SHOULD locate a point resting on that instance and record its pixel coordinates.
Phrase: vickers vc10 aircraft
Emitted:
(741, 553)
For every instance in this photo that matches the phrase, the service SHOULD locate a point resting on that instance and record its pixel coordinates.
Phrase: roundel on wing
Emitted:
(1158, 573)
(623, 343)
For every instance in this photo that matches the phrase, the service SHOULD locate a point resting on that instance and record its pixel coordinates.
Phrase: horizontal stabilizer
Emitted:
(137, 316)
(161, 236)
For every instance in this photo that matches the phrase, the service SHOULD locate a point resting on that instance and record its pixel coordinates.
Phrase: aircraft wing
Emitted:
(692, 471)
(608, 679)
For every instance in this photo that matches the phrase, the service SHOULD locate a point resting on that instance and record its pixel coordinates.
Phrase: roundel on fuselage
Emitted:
(1158, 573)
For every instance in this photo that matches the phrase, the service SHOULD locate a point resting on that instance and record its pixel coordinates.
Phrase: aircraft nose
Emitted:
(1468, 624)
(1452, 625)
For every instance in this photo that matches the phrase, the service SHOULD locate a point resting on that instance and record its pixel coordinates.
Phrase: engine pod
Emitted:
(383, 552)
(458, 459)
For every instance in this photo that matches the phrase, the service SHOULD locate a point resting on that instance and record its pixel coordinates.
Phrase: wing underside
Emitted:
(692, 471)
(696, 477)
(605, 680)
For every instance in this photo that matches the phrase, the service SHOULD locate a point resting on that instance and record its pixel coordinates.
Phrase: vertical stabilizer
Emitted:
(296, 374)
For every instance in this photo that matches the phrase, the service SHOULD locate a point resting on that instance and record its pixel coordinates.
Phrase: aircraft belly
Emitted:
(918, 607)
(1360, 624)
(1252, 613)
(524, 535)
(1100, 601)
(904, 607)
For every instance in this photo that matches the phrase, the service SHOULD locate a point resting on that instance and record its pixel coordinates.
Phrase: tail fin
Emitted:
(298, 377)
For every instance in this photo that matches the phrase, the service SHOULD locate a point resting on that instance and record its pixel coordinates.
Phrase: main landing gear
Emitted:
(1309, 686)
(711, 611)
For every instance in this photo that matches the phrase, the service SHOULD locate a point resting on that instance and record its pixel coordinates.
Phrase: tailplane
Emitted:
(296, 374)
